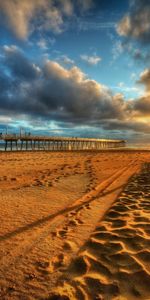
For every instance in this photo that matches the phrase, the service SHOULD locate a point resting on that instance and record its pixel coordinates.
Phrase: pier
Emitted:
(31, 142)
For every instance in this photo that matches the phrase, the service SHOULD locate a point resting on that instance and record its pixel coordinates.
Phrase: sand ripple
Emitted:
(115, 261)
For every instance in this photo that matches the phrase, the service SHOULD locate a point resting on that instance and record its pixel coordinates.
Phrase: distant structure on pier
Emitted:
(31, 142)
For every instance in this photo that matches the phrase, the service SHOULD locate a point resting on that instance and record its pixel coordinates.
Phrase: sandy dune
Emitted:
(72, 228)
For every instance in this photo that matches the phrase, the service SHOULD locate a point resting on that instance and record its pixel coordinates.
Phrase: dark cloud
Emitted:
(76, 95)
(4, 83)
(145, 79)
(19, 65)
(129, 126)
(134, 27)
(141, 56)
(16, 78)
(53, 92)
(142, 105)
(136, 24)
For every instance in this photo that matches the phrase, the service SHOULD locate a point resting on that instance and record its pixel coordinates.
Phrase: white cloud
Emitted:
(117, 49)
(11, 49)
(91, 60)
(128, 89)
(133, 76)
(42, 43)
(92, 25)
(121, 84)
(45, 43)
(66, 60)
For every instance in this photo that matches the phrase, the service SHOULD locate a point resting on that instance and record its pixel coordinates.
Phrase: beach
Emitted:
(75, 225)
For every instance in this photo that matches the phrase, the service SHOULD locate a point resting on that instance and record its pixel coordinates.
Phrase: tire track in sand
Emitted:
(77, 211)
(114, 262)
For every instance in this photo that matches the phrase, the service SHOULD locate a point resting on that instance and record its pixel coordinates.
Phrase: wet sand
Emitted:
(75, 225)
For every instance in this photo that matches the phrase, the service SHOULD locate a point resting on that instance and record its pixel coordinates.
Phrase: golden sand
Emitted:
(75, 225)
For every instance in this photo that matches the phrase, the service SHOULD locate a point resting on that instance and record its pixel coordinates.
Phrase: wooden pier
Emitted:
(31, 142)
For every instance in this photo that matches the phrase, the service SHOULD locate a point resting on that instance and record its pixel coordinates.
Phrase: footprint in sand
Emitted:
(47, 267)
(43, 266)
(62, 233)
(79, 221)
(114, 262)
(87, 206)
(13, 179)
(72, 223)
(56, 262)
(71, 214)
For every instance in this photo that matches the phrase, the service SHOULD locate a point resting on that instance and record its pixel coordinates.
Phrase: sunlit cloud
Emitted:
(136, 24)
(64, 65)
(38, 15)
(53, 92)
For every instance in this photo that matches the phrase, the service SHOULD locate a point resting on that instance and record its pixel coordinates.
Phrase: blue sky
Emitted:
(76, 67)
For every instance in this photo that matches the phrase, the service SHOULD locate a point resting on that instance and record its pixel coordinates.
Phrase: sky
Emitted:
(76, 68)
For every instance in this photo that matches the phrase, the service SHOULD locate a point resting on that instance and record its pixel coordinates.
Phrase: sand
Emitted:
(75, 225)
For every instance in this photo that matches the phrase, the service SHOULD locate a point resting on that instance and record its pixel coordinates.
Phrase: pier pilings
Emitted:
(23, 142)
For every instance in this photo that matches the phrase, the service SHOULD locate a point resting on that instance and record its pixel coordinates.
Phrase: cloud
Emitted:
(52, 92)
(66, 60)
(18, 14)
(42, 43)
(145, 79)
(126, 89)
(66, 7)
(128, 126)
(19, 65)
(134, 28)
(84, 25)
(141, 56)
(117, 49)
(85, 4)
(24, 17)
(75, 96)
(136, 24)
(35, 14)
(91, 60)
(45, 43)
(142, 105)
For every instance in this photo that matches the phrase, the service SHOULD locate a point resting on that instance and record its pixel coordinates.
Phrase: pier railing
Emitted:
(33, 142)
